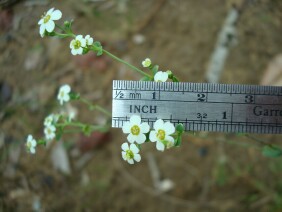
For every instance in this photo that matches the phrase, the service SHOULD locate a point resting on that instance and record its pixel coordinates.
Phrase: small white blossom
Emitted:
(30, 144)
(136, 129)
(63, 95)
(47, 21)
(77, 45)
(69, 112)
(89, 40)
(161, 76)
(161, 134)
(130, 153)
(51, 120)
(49, 132)
(146, 63)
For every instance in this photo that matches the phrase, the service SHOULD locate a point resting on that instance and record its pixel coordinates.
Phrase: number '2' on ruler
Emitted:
(200, 106)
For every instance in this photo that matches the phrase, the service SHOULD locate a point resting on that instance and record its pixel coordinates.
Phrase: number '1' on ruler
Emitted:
(200, 106)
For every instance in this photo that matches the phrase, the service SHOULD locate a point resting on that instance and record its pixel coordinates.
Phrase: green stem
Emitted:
(41, 142)
(61, 28)
(125, 63)
(95, 107)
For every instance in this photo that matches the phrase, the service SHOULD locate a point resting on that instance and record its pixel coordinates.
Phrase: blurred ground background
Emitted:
(210, 172)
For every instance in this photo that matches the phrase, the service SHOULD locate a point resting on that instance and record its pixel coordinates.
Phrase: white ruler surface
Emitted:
(200, 106)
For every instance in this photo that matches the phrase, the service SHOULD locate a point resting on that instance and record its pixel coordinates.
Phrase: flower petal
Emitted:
(42, 29)
(159, 124)
(134, 148)
(56, 15)
(126, 127)
(131, 138)
(79, 51)
(83, 42)
(74, 52)
(144, 127)
(135, 120)
(66, 98)
(140, 138)
(160, 146)
(29, 138)
(130, 161)
(66, 88)
(50, 26)
(50, 11)
(79, 37)
(153, 136)
(137, 157)
(169, 128)
(41, 21)
(125, 146)
(33, 143)
(123, 154)
(32, 150)
(169, 138)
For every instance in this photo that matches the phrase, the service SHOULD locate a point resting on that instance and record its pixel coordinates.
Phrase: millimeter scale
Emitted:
(200, 106)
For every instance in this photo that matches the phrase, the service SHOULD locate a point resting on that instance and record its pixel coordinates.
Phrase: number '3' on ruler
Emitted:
(200, 106)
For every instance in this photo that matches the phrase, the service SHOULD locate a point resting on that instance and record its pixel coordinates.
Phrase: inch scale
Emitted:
(200, 106)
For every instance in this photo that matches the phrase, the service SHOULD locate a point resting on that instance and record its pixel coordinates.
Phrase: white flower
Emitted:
(161, 76)
(49, 132)
(89, 40)
(162, 133)
(63, 95)
(47, 21)
(51, 119)
(69, 112)
(77, 45)
(146, 63)
(136, 129)
(30, 144)
(130, 153)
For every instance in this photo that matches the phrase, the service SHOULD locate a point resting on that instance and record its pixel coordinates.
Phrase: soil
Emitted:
(210, 171)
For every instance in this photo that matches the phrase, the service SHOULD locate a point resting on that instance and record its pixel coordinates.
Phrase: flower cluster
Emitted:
(159, 76)
(139, 133)
(50, 121)
(47, 21)
(164, 134)
(78, 44)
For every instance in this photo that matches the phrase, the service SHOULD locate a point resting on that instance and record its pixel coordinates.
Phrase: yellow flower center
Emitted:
(135, 130)
(76, 44)
(46, 19)
(28, 145)
(49, 131)
(161, 134)
(129, 154)
(62, 93)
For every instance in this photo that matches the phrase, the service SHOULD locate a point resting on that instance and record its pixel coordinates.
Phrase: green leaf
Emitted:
(174, 79)
(97, 44)
(180, 128)
(178, 140)
(59, 133)
(155, 69)
(74, 96)
(99, 52)
(146, 78)
(85, 50)
(271, 151)
(87, 130)
(68, 25)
